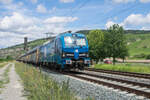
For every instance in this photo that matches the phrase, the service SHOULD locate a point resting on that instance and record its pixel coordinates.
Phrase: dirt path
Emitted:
(14, 89)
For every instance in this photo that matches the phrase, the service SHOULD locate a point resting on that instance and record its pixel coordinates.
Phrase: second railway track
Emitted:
(140, 89)
(132, 74)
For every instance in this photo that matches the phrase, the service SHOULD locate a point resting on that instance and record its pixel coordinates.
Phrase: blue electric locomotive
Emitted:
(66, 51)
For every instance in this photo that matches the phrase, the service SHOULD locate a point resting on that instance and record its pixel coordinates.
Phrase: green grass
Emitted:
(138, 44)
(5, 75)
(39, 86)
(5, 78)
(2, 64)
(124, 67)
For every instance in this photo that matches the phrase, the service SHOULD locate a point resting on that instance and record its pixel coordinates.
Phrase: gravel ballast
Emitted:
(84, 89)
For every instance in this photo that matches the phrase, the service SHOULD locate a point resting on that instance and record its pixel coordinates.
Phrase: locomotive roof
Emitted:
(33, 50)
(70, 34)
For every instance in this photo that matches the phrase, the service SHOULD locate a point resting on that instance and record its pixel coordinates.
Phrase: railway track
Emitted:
(132, 74)
(137, 88)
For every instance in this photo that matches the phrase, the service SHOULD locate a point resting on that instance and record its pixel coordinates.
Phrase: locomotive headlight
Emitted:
(63, 55)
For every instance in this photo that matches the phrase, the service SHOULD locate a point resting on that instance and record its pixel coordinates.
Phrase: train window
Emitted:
(74, 41)
(69, 41)
(81, 41)
(58, 46)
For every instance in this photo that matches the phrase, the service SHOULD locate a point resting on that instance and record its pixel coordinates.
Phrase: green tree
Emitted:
(9, 57)
(124, 52)
(115, 42)
(96, 40)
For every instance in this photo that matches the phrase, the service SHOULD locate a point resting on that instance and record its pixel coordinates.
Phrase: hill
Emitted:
(126, 31)
(138, 44)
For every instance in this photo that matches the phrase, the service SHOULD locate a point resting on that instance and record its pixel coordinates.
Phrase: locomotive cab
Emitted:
(75, 51)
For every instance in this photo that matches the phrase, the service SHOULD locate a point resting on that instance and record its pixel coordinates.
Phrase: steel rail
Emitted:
(118, 80)
(123, 88)
(132, 74)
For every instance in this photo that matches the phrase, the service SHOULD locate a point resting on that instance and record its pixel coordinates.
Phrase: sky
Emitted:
(33, 18)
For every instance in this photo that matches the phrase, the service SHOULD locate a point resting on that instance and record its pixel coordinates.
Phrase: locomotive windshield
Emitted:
(74, 41)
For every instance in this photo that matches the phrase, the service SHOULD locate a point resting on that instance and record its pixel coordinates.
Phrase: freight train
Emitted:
(65, 51)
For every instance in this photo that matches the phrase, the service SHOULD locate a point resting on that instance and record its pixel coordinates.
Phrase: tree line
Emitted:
(111, 43)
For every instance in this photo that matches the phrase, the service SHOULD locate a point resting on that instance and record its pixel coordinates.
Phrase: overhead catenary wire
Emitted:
(76, 9)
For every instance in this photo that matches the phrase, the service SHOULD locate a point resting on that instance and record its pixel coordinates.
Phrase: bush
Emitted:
(145, 46)
(128, 64)
(9, 58)
(142, 55)
(148, 56)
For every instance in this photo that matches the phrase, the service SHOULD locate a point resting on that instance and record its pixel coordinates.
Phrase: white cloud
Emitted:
(15, 21)
(109, 23)
(60, 19)
(144, 1)
(16, 26)
(53, 10)
(41, 9)
(23, 24)
(34, 1)
(134, 21)
(20, 3)
(6, 1)
(137, 19)
(145, 28)
(67, 1)
(123, 1)
(129, 1)
(8, 39)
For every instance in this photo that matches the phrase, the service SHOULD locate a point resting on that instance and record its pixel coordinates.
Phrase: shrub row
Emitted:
(142, 55)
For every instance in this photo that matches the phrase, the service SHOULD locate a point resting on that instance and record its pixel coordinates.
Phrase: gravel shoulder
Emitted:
(14, 89)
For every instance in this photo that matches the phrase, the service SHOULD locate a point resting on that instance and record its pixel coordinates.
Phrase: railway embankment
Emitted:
(92, 89)
(38, 86)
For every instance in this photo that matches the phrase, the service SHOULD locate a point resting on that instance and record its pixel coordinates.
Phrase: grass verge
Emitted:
(124, 67)
(5, 78)
(39, 86)
(3, 64)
